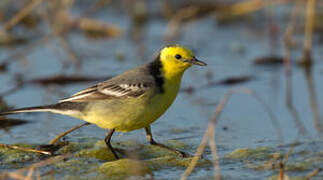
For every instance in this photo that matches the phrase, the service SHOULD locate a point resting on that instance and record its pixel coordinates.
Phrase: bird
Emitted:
(131, 100)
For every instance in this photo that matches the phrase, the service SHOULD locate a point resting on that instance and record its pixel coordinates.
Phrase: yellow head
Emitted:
(176, 59)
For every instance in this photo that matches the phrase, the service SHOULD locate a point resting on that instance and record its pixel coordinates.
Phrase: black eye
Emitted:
(177, 56)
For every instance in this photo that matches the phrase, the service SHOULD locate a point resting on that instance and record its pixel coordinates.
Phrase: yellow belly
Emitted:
(127, 114)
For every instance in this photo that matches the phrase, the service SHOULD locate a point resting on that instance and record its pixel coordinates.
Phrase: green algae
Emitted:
(290, 166)
(100, 154)
(173, 161)
(151, 151)
(74, 168)
(260, 153)
(91, 149)
(286, 177)
(88, 157)
(100, 144)
(144, 151)
(77, 165)
(100, 151)
(78, 177)
(123, 168)
(261, 159)
(129, 144)
(298, 166)
(72, 147)
(15, 158)
(177, 144)
(20, 145)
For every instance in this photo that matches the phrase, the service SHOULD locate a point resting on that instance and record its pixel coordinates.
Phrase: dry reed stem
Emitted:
(270, 164)
(21, 14)
(25, 149)
(18, 174)
(288, 71)
(167, 9)
(69, 51)
(285, 159)
(215, 156)
(236, 9)
(175, 23)
(55, 51)
(244, 7)
(214, 119)
(38, 175)
(57, 138)
(310, 10)
(266, 107)
(82, 23)
(271, 115)
(313, 173)
(206, 136)
(14, 176)
(247, 7)
(45, 162)
(197, 156)
(310, 15)
(91, 25)
(273, 28)
(313, 100)
(63, 17)
(30, 173)
(281, 175)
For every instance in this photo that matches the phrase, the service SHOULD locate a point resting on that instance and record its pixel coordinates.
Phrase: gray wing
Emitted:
(132, 83)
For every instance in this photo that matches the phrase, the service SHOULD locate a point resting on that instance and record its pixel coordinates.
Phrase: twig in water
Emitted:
(18, 173)
(57, 138)
(59, 25)
(313, 100)
(69, 51)
(310, 11)
(288, 71)
(214, 153)
(245, 7)
(21, 14)
(281, 171)
(313, 173)
(206, 136)
(271, 115)
(25, 149)
(209, 132)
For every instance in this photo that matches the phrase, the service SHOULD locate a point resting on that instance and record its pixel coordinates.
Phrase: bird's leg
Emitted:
(107, 140)
(57, 138)
(152, 142)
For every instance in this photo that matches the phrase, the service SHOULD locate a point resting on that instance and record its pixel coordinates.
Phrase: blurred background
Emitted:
(267, 52)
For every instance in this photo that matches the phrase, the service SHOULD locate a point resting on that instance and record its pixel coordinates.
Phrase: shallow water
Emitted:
(229, 51)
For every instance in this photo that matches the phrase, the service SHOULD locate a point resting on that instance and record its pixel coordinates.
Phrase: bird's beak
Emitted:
(196, 62)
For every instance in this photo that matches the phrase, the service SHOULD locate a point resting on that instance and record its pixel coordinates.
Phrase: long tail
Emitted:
(66, 108)
(28, 109)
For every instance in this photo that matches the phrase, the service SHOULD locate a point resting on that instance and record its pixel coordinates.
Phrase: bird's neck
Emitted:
(164, 73)
(172, 77)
